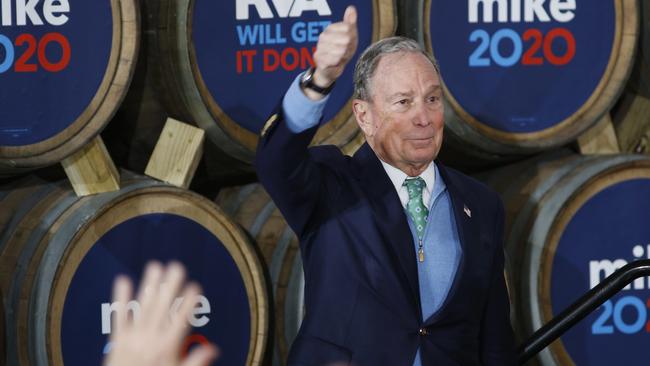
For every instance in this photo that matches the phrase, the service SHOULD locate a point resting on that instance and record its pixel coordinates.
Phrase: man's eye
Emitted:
(402, 101)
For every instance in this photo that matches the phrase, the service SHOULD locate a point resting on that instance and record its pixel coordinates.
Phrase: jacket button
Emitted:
(424, 331)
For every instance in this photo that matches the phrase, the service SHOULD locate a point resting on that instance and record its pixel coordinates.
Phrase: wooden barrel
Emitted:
(521, 77)
(254, 210)
(64, 74)
(59, 255)
(226, 66)
(571, 221)
(133, 132)
(630, 116)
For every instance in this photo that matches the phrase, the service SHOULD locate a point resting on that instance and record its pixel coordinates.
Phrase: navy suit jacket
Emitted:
(362, 296)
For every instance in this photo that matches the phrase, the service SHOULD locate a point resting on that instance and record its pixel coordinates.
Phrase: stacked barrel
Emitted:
(251, 206)
(535, 94)
(77, 73)
(60, 85)
(631, 114)
(520, 79)
(524, 78)
(60, 254)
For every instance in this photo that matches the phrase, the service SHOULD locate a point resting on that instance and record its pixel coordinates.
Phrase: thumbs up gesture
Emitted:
(336, 46)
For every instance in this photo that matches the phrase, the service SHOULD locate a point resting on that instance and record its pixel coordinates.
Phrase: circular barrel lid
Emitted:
(576, 221)
(231, 62)
(521, 76)
(64, 68)
(70, 249)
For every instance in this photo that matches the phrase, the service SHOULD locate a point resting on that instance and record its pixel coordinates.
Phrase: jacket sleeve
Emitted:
(497, 339)
(286, 170)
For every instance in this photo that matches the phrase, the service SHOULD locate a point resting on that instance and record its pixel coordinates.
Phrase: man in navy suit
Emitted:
(402, 256)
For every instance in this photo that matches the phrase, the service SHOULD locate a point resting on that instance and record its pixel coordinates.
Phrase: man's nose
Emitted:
(422, 115)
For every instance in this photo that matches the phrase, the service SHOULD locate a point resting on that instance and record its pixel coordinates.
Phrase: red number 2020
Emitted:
(22, 63)
(546, 43)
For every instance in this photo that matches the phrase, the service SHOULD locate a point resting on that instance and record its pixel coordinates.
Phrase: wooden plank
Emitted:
(177, 154)
(599, 139)
(632, 123)
(91, 169)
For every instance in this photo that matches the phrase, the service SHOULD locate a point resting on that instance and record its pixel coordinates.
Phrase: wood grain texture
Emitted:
(48, 231)
(91, 169)
(599, 139)
(177, 153)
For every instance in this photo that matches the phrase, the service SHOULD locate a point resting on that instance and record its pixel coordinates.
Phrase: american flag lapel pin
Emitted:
(468, 212)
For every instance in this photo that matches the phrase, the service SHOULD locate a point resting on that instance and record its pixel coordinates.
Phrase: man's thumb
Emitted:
(350, 15)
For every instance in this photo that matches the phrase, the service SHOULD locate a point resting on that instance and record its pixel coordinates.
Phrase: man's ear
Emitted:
(363, 117)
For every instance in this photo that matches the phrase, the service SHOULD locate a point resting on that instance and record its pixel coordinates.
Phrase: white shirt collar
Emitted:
(397, 177)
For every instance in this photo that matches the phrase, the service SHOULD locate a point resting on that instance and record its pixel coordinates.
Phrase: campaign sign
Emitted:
(222, 316)
(522, 66)
(53, 58)
(249, 51)
(608, 231)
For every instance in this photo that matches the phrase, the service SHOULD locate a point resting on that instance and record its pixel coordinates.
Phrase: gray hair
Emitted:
(367, 63)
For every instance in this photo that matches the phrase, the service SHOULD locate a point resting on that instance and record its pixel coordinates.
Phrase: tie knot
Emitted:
(414, 186)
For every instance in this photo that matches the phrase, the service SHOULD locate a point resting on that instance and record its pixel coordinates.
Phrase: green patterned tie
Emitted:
(416, 209)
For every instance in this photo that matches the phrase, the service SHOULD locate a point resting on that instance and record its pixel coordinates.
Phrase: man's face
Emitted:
(403, 121)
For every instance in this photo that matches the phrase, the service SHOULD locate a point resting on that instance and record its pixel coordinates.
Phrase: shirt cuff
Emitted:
(300, 112)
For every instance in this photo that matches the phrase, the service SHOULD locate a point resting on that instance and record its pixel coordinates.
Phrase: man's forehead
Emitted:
(404, 59)
(410, 92)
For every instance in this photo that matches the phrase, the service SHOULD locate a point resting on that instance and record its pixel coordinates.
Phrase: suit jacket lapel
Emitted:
(468, 230)
(391, 219)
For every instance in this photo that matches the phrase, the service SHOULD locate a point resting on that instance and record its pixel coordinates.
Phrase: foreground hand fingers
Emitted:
(122, 294)
(171, 282)
(180, 326)
(148, 290)
(201, 356)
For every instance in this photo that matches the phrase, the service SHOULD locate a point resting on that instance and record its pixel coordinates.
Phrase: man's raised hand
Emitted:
(335, 48)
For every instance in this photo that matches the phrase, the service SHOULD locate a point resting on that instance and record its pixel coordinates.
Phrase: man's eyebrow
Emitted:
(435, 88)
(399, 95)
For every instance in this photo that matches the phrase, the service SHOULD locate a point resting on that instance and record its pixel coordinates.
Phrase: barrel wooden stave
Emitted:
(630, 115)
(126, 34)
(254, 210)
(49, 232)
(539, 196)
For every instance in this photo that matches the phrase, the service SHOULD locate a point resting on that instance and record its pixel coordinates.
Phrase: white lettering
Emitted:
(562, 10)
(604, 266)
(116, 307)
(607, 267)
(26, 13)
(28, 10)
(263, 9)
(283, 8)
(198, 317)
(534, 8)
(54, 11)
(515, 11)
(202, 309)
(300, 6)
(6, 12)
(483, 11)
(488, 8)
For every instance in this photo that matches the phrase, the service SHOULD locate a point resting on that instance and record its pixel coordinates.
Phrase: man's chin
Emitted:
(424, 155)
(422, 159)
